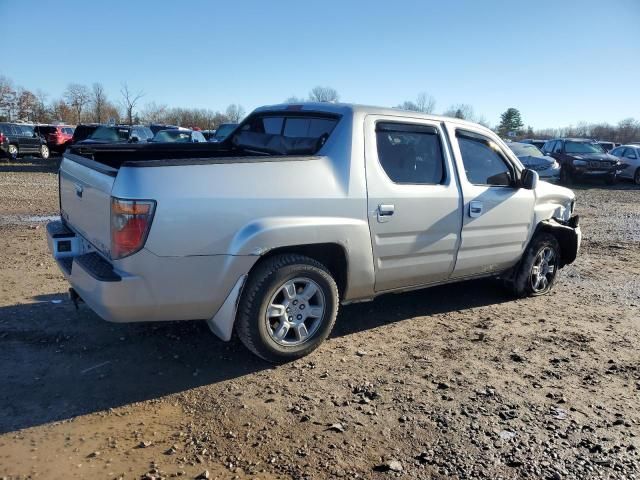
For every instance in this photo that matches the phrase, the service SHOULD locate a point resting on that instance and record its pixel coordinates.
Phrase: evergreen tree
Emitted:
(510, 121)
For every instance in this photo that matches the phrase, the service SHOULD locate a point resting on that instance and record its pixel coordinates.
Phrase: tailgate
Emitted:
(85, 199)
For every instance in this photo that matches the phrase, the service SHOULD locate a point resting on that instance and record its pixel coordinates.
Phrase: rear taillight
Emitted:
(130, 224)
(2, 138)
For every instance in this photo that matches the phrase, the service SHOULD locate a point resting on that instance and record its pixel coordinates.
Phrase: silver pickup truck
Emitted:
(302, 208)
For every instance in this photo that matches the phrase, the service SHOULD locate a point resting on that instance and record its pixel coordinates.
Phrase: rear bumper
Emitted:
(146, 287)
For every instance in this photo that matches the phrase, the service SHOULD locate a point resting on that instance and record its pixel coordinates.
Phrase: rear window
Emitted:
(285, 133)
(45, 130)
(298, 126)
(110, 134)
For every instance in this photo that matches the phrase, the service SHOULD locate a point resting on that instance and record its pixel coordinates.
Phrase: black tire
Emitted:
(611, 179)
(566, 177)
(636, 177)
(522, 283)
(44, 152)
(265, 282)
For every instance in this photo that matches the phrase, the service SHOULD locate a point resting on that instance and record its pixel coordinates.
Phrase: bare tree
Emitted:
(77, 96)
(27, 104)
(42, 112)
(8, 97)
(294, 99)
(235, 113)
(129, 101)
(463, 111)
(323, 94)
(154, 113)
(98, 101)
(426, 103)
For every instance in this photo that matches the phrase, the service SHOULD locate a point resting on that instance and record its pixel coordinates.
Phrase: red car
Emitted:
(56, 136)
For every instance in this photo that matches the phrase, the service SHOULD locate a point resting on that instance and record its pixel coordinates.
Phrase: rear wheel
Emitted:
(13, 152)
(538, 268)
(636, 177)
(288, 308)
(44, 152)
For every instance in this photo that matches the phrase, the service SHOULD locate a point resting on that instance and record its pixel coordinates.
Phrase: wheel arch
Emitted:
(567, 235)
(331, 255)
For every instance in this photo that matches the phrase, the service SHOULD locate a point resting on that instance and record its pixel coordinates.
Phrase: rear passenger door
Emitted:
(413, 202)
(498, 215)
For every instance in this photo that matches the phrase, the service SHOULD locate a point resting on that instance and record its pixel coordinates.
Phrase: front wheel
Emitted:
(288, 308)
(536, 274)
(566, 178)
(611, 179)
(44, 152)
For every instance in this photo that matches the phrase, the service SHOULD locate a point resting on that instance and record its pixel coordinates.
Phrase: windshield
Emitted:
(525, 150)
(178, 136)
(224, 130)
(110, 134)
(582, 147)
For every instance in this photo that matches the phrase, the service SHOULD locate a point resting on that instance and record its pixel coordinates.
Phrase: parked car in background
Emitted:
(23, 140)
(56, 136)
(179, 136)
(582, 158)
(531, 157)
(533, 141)
(156, 127)
(353, 202)
(119, 134)
(608, 146)
(223, 132)
(629, 156)
(208, 134)
(83, 131)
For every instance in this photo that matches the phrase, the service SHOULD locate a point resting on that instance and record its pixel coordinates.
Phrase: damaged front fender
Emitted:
(568, 234)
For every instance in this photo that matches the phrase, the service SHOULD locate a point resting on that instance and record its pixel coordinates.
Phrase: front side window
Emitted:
(110, 134)
(617, 152)
(482, 160)
(558, 147)
(630, 153)
(410, 153)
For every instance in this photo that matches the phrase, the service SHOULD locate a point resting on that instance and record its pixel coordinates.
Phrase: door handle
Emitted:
(475, 209)
(385, 211)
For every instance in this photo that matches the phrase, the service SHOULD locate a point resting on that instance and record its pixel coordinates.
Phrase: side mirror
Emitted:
(529, 179)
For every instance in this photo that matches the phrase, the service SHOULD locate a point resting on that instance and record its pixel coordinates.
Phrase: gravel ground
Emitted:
(458, 381)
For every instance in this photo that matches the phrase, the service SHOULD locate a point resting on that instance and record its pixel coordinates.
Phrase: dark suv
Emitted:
(582, 158)
(22, 140)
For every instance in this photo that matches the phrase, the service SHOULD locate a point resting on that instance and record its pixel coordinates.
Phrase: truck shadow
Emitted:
(57, 363)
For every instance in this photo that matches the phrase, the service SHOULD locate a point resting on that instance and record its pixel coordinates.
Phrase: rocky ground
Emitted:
(459, 381)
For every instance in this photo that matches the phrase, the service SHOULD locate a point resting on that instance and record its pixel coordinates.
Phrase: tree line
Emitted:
(83, 104)
(80, 103)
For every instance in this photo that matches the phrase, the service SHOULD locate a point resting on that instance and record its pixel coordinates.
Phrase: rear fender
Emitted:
(261, 236)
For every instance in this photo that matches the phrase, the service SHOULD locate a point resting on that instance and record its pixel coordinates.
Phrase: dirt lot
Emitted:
(458, 381)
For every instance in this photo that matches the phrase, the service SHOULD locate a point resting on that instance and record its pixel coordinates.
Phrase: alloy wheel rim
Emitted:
(543, 270)
(44, 151)
(295, 312)
(13, 151)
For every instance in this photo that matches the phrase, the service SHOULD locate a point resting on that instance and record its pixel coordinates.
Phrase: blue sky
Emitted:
(559, 62)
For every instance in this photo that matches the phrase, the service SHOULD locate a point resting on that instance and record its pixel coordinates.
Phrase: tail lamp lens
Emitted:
(130, 224)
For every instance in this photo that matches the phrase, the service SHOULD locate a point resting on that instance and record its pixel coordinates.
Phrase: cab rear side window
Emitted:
(410, 153)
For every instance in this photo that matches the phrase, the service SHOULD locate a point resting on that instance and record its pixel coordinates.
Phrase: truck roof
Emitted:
(343, 108)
